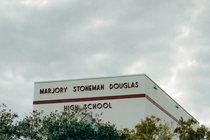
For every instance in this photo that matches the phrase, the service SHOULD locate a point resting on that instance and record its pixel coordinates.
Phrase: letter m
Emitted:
(41, 91)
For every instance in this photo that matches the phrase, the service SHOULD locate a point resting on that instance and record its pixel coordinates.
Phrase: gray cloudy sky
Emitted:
(46, 40)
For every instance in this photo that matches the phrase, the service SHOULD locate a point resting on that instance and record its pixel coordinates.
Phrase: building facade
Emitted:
(124, 100)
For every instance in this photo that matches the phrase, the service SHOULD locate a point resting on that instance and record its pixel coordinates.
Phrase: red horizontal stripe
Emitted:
(106, 98)
(89, 99)
(157, 105)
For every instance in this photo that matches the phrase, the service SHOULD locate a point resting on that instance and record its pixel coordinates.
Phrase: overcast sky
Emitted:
(47, 40)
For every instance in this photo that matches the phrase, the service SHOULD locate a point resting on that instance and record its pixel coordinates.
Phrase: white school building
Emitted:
(124, 100)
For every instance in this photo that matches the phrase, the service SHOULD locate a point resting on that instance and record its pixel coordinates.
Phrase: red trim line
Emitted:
(89, 99)
(106, 98)
(166, 112)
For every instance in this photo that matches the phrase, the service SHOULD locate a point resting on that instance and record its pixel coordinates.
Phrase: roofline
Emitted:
(38, 82)
(143, 74)
(171, 98)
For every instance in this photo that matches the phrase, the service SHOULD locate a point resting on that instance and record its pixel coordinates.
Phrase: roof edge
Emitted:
(38, 82)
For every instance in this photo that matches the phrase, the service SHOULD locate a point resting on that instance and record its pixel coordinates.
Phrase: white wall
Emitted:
(124, 112)
(94, 81)
(165, 101)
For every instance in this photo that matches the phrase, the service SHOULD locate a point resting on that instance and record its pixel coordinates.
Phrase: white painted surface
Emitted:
(124, 112)
(95, 81)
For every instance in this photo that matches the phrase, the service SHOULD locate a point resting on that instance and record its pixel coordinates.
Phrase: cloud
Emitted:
(51, 40)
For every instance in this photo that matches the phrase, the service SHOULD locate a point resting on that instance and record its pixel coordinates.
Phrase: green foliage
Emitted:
(109, 132)
(130, 134)
(186, 132)
(165, 131)
(55, 126)
(66, 125)
(150, 129)
(7, 129)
